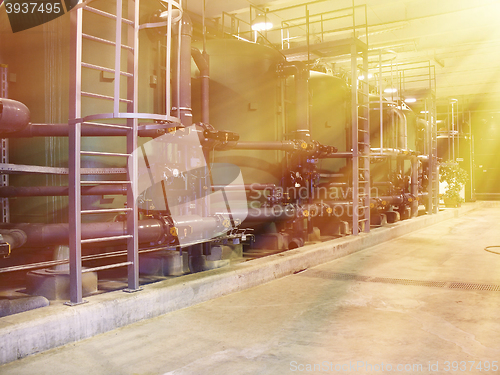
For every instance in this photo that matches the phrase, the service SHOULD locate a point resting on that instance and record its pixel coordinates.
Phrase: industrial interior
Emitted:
(149, 140)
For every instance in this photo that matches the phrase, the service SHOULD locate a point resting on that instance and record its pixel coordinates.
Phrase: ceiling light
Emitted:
(362, 77)
(390, 90)
(261, 23)
(410, 100)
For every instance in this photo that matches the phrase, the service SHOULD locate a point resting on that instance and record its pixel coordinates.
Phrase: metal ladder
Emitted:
(360, 112)
(4, 149)
(128, 122)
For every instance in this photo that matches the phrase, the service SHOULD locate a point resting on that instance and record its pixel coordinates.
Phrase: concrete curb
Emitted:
(39, 330)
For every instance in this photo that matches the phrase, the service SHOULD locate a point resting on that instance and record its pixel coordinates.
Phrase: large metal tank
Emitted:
(245, 97)
(328, 100)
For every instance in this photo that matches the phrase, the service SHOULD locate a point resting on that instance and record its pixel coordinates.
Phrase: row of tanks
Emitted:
(260, 161)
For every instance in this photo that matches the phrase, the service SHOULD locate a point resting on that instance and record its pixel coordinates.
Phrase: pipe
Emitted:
(270, 145)
(254, 186)
(59, 191)
(41, 235)
(183, 81)
(62, 130)
(14, 237)
(402, 142)
(202, 62)
(14, 115)
(301, 74)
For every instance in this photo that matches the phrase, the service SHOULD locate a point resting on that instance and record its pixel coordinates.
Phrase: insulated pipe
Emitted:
(59, 191)
(62, 130)
(254, 186)
(402, 129)
(183, 81)
(202, 62)
(14, 115)
(41, 235)
(301, 74)
(14, 237)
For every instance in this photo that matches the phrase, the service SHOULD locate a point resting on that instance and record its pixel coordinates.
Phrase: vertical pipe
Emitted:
(414, 185)
(322, 29)
(380, 102)
(308, 36)
(428, 142)
(204, 28)
(168, 53)
(453, 130)
(183, 66)
(74, 193)
(282, 37)
(448, 132)
(471, 160)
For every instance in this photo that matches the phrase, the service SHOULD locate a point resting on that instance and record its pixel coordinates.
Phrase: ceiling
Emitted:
(459, 38)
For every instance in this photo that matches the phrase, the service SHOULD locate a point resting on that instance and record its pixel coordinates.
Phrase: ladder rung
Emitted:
(106, 210)
(363, 143)
(109, 266)
(362, 130)
(96, 153)
(114, 238)
(106, 14)
(99, 96)
(108, 125)
(105, 41)
(362, 118)
(109, 70)
(362, 219)
(105, 182)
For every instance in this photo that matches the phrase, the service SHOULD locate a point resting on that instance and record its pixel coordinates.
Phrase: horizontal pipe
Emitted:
(271, 145)
(59, 191)
(14, 237)
(254, 186)
(337, 155)
(62, 130)
(41, 235)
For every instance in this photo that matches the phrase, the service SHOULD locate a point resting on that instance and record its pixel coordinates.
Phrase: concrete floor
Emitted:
(319, 316)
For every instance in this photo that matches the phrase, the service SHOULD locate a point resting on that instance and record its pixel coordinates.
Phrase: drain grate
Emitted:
(386, 280)
(469, 286)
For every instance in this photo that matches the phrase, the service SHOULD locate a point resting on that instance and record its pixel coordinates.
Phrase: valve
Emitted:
(221, 135)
